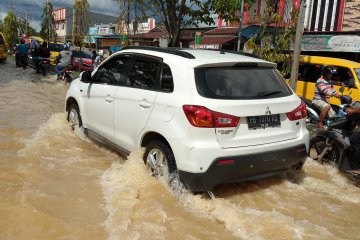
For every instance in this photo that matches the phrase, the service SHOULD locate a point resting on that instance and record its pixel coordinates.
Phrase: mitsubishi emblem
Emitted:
(267, 112)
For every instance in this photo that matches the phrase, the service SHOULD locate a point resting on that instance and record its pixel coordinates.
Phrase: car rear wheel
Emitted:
(160, 163)
(74, 117)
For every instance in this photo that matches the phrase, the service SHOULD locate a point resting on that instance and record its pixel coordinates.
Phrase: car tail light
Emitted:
(200, 116)
(299, 112)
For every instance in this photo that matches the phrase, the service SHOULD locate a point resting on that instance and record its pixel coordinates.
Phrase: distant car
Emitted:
(3, 48)
(81, 61)
(204, 117)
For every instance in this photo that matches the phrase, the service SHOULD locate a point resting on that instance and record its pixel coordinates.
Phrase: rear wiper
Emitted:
(265, 94)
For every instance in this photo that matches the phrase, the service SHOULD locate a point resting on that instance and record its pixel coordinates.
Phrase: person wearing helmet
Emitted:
(98, 58)
(323, 91)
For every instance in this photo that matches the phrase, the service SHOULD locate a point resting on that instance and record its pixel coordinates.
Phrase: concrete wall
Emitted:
(351, 21)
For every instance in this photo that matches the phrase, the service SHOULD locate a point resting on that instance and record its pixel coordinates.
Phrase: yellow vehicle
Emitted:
(55, 49)
(310, 70)
(3, 48)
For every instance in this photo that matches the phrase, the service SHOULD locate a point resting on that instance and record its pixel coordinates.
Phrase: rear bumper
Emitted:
(245, 168)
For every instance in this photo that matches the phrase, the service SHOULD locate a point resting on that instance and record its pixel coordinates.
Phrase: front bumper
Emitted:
(245, 168)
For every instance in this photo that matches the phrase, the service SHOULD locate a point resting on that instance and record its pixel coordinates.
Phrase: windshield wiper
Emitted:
(269, 93)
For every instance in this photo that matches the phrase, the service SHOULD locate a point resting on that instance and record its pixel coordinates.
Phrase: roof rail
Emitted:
(174, 51)
(239, 53)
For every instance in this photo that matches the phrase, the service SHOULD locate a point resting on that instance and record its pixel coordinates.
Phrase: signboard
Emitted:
(330, 43)
(59, 14)
(197, 39)
(103, 31)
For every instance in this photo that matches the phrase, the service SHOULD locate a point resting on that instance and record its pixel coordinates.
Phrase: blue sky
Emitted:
(109, 7)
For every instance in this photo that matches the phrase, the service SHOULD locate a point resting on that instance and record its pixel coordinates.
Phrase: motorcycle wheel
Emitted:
(318, 145)
(43, 70)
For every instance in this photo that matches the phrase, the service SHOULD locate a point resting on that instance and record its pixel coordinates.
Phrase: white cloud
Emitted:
(108, 7)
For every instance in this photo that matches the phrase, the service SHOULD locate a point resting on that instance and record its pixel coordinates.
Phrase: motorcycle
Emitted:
(313, 114)
(67, 74)
(43, 66)
(22, 61)
(334, 146)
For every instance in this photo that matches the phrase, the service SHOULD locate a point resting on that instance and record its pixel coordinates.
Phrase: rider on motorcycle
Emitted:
(41, 53)
(21, 53)
(323, 91)
(64, 60)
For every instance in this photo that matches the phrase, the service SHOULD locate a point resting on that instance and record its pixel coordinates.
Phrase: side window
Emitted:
(112, 71)
(143, 74)
(309, 72)
(166, 82)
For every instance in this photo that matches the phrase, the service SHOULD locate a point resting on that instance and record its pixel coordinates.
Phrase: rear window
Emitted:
(55, 47)
(1, 39)
(240, 83)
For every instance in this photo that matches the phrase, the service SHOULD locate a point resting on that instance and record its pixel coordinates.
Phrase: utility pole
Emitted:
(240, 26)
(48, 15)
(26, 17)
(297, 46)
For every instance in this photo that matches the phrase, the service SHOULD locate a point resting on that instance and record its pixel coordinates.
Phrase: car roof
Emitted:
(200, 56)
(328, 61)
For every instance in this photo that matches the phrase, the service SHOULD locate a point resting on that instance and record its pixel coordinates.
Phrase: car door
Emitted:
(134, 101)
(100, 95)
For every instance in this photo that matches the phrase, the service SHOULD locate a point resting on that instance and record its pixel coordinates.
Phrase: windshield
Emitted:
(240, 83)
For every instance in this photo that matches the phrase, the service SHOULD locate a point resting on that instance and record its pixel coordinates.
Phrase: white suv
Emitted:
(207, 117)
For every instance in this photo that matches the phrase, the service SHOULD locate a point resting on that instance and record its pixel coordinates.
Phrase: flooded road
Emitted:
(57, 184)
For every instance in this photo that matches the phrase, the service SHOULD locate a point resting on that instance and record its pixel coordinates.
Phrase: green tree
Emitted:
(1, 26)
(48, 28)
(11, 29)
(81, 22)
(25, 28)
(177, 14)
(273, 41)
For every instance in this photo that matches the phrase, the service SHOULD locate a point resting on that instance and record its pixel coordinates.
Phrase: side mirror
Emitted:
(86, 77)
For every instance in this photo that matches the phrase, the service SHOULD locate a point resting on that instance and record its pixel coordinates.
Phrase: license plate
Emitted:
(264, 121)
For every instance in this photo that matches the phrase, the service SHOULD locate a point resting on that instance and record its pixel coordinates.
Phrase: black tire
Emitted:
(317, 146)
(160, 162)
(43, 70)
(74, 117)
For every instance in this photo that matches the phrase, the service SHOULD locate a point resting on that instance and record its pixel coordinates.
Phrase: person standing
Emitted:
(323, 91)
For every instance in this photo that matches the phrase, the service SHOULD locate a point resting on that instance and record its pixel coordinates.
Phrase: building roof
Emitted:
(97, 18)
(209, 40)
(149, 35)
(223, 31)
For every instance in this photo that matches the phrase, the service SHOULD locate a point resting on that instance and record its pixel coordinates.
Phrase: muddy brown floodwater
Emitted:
(57, 184)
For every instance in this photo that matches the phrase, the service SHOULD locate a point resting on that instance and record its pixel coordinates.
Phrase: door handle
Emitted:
(144, 104)
(109, 99)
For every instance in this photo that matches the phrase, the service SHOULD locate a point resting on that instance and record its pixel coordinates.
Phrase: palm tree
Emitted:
(48, 28)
